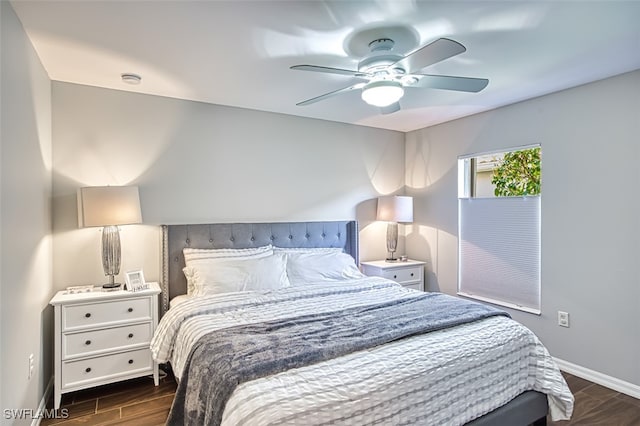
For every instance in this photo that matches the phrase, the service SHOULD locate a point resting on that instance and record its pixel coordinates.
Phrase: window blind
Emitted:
(499, 250)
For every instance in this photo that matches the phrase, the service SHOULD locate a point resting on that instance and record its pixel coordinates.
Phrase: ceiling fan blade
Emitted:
(434, 52)
(390, 109)
(447, 82)
(328, 70)
(328, 95)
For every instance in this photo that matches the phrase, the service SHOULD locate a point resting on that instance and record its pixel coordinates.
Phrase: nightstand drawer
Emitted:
(105, 313)
(110, 339)
(82, 372)
(404, 275)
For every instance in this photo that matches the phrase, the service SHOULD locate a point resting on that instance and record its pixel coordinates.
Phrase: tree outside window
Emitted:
(505, 174)
(517, 174)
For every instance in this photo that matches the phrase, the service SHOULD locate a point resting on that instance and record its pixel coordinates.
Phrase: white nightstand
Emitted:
(410, 273)
(103, 337)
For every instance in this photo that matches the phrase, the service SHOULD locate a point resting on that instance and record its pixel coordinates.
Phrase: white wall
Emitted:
(202, 163)
(25, 220)
(590, 138)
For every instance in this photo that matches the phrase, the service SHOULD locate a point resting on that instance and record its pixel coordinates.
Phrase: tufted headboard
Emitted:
(342, 234)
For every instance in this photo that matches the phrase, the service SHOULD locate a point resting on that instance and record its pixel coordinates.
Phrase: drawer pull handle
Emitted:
(87, 370)
(130, 310)
(88, 342)
(412, 274)
(395, 276)
(130, 335)
(87, 315)
(130, 361)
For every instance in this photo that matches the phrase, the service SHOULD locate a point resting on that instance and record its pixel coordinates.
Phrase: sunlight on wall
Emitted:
(421, 243)
(424, 243)
(382, 162)
(417, 173)
(113, 155)
(421, 169)
(38, 272)
(41, 107)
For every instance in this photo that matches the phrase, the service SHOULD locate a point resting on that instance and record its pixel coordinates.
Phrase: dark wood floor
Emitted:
(597, 405)
(138, 402)
(132, 402)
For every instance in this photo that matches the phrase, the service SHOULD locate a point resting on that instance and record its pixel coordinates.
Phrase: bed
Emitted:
(479, 368)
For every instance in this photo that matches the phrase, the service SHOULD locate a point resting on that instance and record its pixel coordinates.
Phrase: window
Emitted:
(499, 227)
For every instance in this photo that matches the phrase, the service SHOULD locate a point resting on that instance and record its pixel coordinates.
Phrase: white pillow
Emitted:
(306, 267)
(225, 275)
(288, 250)
(192, 255)
(196, 254)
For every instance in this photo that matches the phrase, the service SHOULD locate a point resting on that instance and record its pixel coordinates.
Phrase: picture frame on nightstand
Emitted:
(134, 281)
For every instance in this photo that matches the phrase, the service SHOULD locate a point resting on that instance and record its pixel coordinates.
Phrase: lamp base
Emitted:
(111, 286)
(392, 241)
(391, 259)
(111, 256)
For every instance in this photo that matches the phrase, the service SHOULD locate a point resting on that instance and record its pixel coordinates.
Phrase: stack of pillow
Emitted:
(213, 271)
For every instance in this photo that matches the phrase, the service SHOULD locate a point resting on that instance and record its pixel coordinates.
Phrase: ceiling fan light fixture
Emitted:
(382, 93)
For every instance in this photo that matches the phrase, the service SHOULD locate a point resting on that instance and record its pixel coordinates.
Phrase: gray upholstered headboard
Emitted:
(342, 234)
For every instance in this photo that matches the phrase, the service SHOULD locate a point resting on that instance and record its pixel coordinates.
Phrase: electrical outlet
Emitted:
(563, 319)
(31, 366)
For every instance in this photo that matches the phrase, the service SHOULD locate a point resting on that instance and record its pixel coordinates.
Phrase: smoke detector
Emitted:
(131, 78)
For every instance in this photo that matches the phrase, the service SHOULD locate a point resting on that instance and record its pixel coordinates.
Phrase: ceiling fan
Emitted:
(388, 73)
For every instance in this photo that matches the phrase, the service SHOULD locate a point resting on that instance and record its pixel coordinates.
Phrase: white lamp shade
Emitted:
(108, 205)
(395, 208)
(382, 93)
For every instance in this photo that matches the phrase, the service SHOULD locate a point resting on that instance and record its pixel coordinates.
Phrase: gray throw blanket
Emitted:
(223, 359)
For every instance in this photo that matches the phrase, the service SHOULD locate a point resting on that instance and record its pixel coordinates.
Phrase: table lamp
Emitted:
(394, 209)
(109, 206)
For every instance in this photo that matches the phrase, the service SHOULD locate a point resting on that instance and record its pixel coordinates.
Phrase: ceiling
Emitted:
(239, 53)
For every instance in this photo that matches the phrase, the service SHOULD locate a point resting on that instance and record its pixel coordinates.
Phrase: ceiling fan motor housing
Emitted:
(378, 61)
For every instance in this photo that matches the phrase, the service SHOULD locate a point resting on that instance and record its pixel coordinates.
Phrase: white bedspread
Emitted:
(448, 377)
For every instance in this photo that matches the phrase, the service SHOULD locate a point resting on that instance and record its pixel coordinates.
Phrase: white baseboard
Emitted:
(43, 403)
(599, 378)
